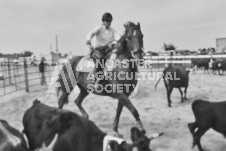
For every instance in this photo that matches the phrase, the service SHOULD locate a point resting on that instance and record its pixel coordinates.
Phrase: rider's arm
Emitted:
(91, 35)
(116, 35)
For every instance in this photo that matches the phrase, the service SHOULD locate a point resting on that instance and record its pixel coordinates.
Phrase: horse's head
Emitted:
(134, 38)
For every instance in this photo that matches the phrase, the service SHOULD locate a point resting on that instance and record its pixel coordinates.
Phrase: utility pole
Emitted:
(56, 44)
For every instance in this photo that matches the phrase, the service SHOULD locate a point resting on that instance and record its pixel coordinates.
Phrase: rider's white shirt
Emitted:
(102, 36)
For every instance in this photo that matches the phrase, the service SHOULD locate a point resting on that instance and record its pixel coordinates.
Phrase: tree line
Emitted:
(26, 53)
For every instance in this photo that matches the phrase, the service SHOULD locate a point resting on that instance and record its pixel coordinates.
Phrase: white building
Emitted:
(51, 58)
(221, 45)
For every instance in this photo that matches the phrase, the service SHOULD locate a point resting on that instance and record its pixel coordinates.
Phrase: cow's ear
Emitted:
(36, 101)
(136, 134)
(138, 25)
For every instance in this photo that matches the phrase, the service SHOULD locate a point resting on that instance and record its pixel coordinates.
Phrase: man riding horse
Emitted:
(129, 45)
(105, 37)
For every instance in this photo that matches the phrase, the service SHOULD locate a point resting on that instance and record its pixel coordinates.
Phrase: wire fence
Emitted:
(21, 76)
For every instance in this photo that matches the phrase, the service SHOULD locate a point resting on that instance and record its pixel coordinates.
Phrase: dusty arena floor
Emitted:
(151, 105)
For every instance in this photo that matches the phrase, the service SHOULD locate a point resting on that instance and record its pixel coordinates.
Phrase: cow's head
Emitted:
(140, 142)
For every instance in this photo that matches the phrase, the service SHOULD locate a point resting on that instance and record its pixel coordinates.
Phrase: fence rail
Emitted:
(160, 62)
(185, 57)
(23, 76)
(17, 76)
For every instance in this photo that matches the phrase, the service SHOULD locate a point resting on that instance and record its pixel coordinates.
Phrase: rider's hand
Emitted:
(88, 42)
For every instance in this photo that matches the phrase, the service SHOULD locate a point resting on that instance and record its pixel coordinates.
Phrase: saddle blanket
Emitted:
(86, 64)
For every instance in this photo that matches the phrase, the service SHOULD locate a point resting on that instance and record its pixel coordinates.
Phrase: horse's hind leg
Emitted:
(118, 113)
(123, 98)
(62, 99)
(78, 101)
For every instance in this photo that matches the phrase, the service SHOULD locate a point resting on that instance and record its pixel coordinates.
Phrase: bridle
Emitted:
(139, 50)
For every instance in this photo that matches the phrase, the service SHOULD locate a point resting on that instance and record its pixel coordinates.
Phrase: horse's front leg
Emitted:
(123, 98)
(118, 113)
(78, 101)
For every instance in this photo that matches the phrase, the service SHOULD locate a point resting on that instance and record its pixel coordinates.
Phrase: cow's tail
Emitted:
(158, 81)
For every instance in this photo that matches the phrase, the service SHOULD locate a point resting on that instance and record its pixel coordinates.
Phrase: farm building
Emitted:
(221, 45)
(51, 58)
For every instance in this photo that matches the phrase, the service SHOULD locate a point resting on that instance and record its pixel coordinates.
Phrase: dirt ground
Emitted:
(151, 105)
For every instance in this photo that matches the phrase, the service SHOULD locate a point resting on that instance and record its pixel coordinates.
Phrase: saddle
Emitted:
(86, 64)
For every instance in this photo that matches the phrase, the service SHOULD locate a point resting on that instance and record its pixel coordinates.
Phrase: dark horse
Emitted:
(129, 46)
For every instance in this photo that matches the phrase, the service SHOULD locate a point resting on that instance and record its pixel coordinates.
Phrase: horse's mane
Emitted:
(121, 44)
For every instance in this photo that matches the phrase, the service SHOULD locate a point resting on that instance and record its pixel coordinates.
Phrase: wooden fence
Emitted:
(21, 76)
(24, 76)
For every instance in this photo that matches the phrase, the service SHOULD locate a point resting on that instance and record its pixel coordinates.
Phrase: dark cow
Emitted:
(76, 133)
(221, 65)
(200, 62)
(12, 140)
(207, 115)
(175, 77)
(215, 66)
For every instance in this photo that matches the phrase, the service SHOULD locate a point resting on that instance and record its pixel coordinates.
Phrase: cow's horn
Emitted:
(155, 135)
(51, 145)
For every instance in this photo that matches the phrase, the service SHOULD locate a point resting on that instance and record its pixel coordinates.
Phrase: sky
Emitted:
(33, 24)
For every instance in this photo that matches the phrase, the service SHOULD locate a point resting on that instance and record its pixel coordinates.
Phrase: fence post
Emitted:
(3, 74)
(166, 64)
(158, 63)
(9, 72)
(26, 76)
(15, 75)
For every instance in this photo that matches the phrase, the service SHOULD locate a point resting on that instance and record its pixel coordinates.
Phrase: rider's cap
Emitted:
(107, 16)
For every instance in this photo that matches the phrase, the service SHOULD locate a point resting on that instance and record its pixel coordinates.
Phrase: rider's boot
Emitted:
(97, 77)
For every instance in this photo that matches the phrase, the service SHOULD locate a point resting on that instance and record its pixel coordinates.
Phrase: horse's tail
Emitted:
(63, 89)
(158, 81)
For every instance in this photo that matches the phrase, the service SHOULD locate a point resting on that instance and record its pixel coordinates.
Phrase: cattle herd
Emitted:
(209, 64)
(64, 130)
